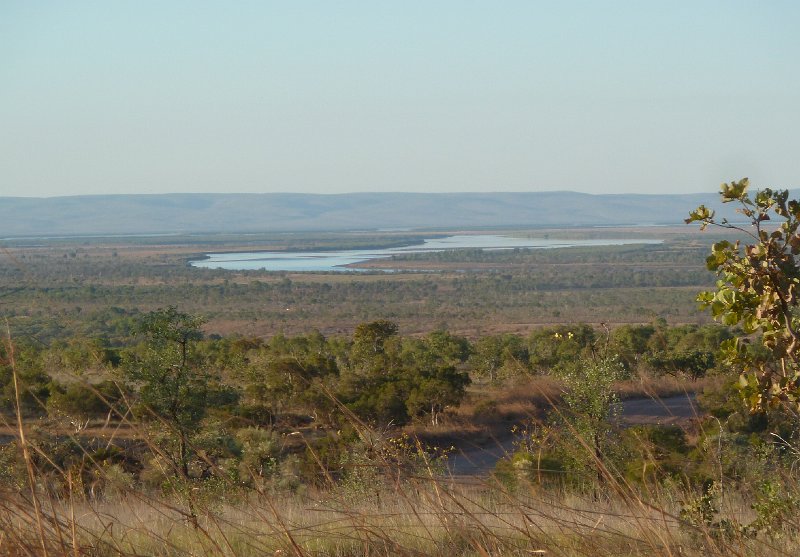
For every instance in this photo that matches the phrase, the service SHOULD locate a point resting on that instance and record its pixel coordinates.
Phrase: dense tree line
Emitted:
(378, 374)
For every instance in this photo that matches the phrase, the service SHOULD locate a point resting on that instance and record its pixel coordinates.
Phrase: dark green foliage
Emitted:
(654, 453)
(724, 403)
(550, 347)
(695, 363)
(369, 341)
(79, 355)
(168, 379)
(434, 389)
(323, 458)
(84, 401)
(391, 380)
(686, 349)
(33, 381)
(630, 342)
(589, 418)
(379, 402)
(287, 372)
(499, 356)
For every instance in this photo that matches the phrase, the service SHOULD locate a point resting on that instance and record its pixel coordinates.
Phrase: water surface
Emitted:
(337, 260)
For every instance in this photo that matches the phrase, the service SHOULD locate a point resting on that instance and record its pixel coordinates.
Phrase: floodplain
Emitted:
(469, 291)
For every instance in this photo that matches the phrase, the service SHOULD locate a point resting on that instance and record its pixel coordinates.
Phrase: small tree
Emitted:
(497, 355)
(165, 373)
(434, 389)
(369, 339)
(758, 290)
(590, 406)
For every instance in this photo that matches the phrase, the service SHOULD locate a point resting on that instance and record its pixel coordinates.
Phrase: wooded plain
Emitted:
(55, 284)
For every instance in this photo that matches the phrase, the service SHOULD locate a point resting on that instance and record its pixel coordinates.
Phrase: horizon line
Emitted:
(325, 194)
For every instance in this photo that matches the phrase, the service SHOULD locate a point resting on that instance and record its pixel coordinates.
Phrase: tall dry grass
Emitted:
(415, 516)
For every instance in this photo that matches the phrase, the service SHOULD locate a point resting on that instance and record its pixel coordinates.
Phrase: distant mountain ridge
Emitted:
(274, 212)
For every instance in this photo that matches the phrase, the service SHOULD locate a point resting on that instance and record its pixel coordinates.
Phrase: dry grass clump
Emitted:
(414, 517)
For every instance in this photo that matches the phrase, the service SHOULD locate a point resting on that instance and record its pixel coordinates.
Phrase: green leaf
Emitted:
(702, 213)
(735, 190)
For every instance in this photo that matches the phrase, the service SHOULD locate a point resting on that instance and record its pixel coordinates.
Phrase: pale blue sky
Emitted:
(337, 96)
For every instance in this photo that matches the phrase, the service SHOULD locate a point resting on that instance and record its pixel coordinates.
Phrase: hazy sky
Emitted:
(338, 96)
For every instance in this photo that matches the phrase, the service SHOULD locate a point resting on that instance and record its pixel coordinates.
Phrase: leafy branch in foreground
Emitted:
(757, 289)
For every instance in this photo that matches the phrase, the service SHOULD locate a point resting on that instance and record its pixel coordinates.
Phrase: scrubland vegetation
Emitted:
(54, 288)
(243, 446)
(154, 409)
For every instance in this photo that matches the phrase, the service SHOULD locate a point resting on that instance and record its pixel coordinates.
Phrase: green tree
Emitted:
(553, 346)
(630, 342)
(168, 378)
(373, 384)
(436, 348)
(34, 383)
(434, 389)
(590, 405)
(498, 355)
(369, 342)
(83, 400)
(390, 379)
(757, 289)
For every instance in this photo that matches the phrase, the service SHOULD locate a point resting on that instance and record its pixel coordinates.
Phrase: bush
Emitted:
(83, 401)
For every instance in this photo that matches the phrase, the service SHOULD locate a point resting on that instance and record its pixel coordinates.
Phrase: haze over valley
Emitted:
(197, 213)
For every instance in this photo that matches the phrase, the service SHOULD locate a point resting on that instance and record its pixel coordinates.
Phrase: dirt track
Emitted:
(671, 410)
(674, 410)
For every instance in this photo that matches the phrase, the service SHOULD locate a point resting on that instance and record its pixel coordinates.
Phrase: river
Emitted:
(328, 261)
